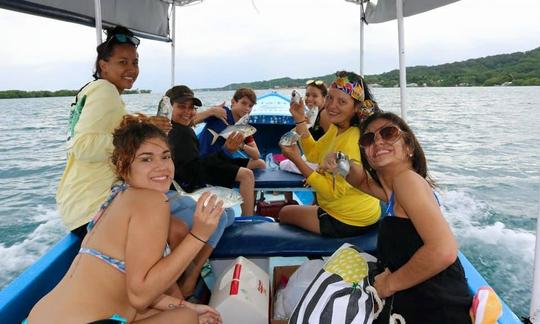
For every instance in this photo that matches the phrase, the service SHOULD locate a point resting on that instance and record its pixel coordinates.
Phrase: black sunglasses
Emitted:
(390, 134)
(123, 38)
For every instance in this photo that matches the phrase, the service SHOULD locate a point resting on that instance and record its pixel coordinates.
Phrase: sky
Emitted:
(228, 41)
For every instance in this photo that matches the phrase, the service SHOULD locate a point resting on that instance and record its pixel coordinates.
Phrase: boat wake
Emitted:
(19, 256)
(503, 255)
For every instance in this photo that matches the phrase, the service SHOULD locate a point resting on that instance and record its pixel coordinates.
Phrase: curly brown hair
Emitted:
(132, 132)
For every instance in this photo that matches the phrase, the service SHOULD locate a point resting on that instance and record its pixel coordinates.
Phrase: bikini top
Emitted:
(390, 209)
(118, 264)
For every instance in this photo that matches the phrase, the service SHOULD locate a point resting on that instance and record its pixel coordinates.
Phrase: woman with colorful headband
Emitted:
(342, 210)
(423, 278)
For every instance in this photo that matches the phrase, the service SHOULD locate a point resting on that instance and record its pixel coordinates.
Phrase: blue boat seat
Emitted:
(268, 239)
(277, 179)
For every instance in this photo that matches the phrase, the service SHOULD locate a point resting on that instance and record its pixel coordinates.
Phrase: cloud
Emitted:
(220, 42)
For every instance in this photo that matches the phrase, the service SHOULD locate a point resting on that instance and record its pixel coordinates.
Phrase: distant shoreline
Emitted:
(515, 69)
(19, 94)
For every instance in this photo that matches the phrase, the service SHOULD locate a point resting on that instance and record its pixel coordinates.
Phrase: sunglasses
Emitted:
(123, 38)
(390, 134)
(316, 82)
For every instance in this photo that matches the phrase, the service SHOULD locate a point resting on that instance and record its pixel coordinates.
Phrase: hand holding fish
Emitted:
(297, 111)
(329, 164)
(234, 142)
(162, 123)
(206, 216)
(291, 152)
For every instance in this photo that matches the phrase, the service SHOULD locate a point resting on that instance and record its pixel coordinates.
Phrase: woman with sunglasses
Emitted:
(99, 108)
(342, 210)
(125, 270)
(422, 273)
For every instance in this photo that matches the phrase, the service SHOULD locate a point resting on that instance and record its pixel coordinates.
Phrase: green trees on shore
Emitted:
(10, 94)
(517, 69)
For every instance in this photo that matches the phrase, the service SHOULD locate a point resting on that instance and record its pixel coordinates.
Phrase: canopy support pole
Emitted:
(534, 312)
(99, 26)
(361, 39)
(402, 69)
(173, 43)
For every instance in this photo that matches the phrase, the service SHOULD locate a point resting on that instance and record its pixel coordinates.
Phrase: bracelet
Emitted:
(300, 122)
(198, 238)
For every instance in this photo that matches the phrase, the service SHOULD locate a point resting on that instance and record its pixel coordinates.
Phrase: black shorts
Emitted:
(221, 170)
(331, 227)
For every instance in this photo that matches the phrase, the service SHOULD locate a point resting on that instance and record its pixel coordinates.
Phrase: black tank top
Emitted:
(444, 298)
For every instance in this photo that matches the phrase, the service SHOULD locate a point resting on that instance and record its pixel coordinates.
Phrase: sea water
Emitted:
(482, 146)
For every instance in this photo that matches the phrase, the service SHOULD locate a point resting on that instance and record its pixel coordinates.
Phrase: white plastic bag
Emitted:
(298, 283)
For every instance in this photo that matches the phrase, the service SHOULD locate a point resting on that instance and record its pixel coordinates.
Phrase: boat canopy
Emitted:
(150, 18)
(385, 10)
(146, 18)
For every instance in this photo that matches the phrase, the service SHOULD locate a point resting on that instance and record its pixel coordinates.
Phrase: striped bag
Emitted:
(341, 292)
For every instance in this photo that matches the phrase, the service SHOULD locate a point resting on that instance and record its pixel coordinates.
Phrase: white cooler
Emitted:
(241, 293)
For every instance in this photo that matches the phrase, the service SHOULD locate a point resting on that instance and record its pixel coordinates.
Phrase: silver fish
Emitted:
(289, 138)
(164, 108)
(343, 163)
(243, 120)
(311, 115)
(343, 167)
(245, 130)
(295, 97)
(229, 196)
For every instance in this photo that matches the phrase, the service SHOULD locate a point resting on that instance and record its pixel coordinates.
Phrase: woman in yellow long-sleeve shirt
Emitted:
(89, 174)
(342, 210)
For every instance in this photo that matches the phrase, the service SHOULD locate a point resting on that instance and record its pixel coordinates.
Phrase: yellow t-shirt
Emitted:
(346, 203)
(89, 174)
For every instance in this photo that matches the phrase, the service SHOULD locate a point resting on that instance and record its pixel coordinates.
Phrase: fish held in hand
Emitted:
(311, 116)
(229, 196)
(295, 97)
(244, 120)
(245, 130)
(164, 108)
(289, 138)
(343, 164)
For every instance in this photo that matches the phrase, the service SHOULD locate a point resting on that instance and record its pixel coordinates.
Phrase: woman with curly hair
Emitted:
(125, 270)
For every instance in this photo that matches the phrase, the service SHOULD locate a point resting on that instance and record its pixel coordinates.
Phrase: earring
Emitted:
(410, 154)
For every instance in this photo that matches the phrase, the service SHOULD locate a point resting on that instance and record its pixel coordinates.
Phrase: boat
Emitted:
(270, 116)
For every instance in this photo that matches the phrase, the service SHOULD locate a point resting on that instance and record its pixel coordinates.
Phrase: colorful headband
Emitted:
(353, 89)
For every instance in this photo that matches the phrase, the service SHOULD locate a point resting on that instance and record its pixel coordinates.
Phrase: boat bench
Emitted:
(268, 239)
(277, 180)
